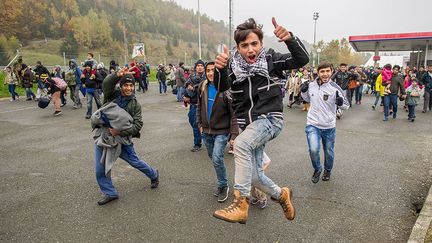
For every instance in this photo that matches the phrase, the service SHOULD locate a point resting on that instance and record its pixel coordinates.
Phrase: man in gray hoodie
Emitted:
(324, 96)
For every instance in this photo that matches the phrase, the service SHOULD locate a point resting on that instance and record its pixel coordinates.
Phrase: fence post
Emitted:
(64, 59)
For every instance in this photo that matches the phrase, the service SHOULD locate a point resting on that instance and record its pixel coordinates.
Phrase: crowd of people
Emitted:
(235, 100)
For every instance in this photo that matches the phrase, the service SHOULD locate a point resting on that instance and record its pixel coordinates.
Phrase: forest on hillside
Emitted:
(100, 24)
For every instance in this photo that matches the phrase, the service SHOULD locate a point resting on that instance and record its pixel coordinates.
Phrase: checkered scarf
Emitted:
(243, 70)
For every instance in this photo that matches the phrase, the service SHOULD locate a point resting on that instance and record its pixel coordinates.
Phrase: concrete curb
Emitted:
(421, 226)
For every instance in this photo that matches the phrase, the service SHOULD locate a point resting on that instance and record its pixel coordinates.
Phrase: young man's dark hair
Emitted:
(325, 65)
(396, 66)
(243, 30)
(343, 64)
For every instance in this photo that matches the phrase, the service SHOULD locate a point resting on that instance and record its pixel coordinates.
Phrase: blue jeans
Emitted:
(248, 156)
(162, 87)
(11, 88)
(390, 100)
(194, 125)
(29, 93)
(90, 94)
(180, 91)
(215, 148)
(411, 111)
(358, 93)
(77, 100)
(129, 155)
(377, 97)
(314, 137)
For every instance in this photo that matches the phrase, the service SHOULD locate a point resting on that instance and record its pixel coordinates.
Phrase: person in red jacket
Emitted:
(136, 72)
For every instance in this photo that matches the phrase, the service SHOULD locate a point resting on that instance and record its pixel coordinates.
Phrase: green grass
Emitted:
(20, 90)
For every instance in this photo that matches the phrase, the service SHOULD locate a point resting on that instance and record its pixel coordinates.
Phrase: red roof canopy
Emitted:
(391, 42)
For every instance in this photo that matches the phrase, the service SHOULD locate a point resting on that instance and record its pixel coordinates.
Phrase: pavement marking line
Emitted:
(21, 109)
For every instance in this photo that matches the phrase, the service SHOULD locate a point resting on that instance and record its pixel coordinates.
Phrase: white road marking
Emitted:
(21, 109)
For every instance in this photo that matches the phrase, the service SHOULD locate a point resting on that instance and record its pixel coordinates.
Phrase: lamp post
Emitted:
(315, 18)
(199, 31)
(318, 54)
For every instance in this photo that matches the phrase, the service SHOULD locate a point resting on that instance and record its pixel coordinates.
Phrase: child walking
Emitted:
(413, 96)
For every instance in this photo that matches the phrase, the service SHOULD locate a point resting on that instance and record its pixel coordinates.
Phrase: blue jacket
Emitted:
(77, 71)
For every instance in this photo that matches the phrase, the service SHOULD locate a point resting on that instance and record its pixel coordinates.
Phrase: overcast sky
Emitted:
(337, 18)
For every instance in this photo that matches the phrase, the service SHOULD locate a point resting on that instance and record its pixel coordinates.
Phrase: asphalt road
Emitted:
(48, 191)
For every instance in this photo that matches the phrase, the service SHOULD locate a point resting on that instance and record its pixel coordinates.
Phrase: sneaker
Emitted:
(423, 111)
(217, 191)
(87, 116)
(373, 107)
(262, 203)
(63, 104)
(385, 119)
(412, 120)
(57, 113)
(394, 115)
(155, 182)
(223, 195)
(326, 175)
(196, 148)
(316, 176)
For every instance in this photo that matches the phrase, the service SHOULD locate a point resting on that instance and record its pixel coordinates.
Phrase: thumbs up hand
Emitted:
(280, 32)
(222, 58)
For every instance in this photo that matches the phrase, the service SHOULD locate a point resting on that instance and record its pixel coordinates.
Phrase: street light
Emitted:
(199, 31)
(315, 18)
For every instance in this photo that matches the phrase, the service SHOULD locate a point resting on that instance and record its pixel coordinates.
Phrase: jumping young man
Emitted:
(324, 96)
(257, 103)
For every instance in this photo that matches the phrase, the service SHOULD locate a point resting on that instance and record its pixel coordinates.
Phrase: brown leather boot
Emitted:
(285, 201)
(237, 212)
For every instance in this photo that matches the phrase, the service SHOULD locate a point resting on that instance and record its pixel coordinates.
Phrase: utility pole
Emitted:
(124, 33)
(315, 18)
(199, 31)
(230, 24)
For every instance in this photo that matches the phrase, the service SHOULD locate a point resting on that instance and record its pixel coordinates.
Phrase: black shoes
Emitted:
(57, 113)
(106, 200)
(222, 193)
(316, 176)
(155, 182)
(326, 175)
(196, 148)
